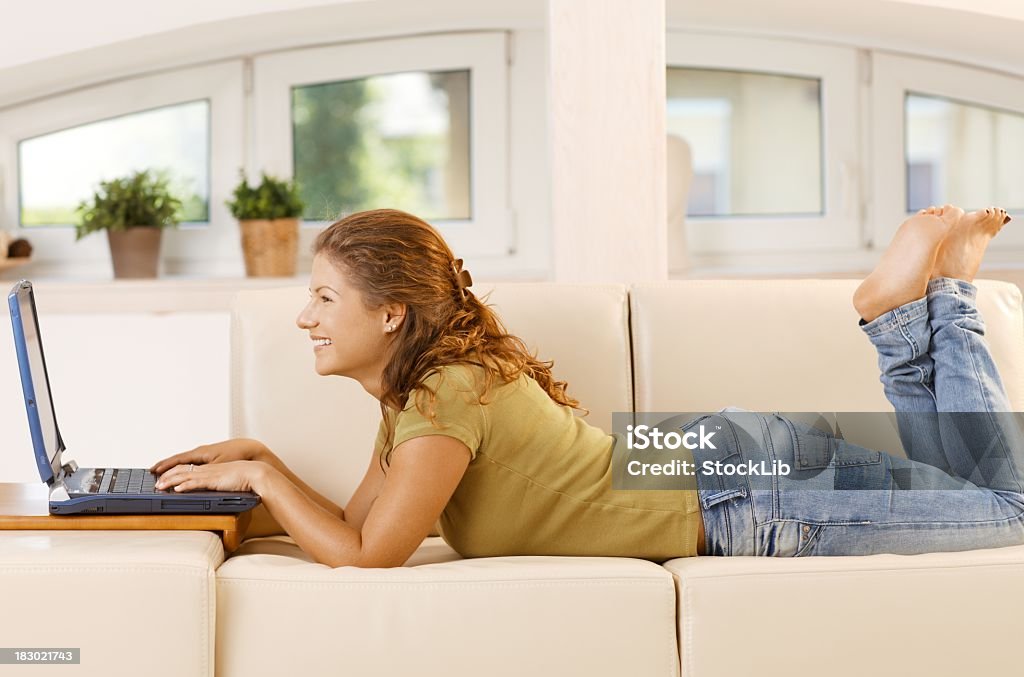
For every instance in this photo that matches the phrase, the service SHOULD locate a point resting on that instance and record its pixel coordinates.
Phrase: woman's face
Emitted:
(355, 337)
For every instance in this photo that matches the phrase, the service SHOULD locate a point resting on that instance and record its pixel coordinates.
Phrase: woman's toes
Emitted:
(951, 214)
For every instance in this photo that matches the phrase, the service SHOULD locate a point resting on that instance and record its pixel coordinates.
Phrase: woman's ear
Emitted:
(394, 315)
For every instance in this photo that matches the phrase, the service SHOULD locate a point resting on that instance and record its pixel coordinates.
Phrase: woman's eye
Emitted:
(325, 299)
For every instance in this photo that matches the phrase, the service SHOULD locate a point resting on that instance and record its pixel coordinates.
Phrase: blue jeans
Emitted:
(961, 486)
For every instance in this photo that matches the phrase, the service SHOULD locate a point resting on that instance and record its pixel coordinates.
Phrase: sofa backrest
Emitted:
(780, 345)
(765, 345)
(324, 427)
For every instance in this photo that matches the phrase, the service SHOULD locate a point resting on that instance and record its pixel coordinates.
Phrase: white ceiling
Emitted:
(39, 29)
(986, 34)
(1010, 9)
(50, 45)
(31, 31)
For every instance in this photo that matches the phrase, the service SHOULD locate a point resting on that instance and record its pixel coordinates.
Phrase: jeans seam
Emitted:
(849, 523)
(770, 447)
(988, 413)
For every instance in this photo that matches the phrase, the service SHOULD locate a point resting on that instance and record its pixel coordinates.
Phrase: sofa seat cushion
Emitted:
(949, 613)
(278, 612)
(108, 593)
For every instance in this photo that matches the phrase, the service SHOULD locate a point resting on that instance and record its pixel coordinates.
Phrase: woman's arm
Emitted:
(269, 457)
(422, 477)
(242, 449)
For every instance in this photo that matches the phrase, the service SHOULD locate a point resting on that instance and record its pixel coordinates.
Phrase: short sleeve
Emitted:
(457, 410)
(382, 432)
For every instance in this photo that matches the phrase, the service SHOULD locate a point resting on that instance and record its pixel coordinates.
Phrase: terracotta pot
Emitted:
(135, 251)
(270, 246)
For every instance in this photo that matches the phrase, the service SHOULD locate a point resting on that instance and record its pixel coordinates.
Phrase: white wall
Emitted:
(128, 389)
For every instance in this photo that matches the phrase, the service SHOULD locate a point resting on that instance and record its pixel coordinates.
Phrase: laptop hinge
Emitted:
(58, 492)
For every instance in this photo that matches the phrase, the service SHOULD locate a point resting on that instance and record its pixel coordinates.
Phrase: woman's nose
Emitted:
(304, 321)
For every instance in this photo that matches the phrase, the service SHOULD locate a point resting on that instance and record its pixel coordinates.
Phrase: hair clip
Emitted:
(462, 277)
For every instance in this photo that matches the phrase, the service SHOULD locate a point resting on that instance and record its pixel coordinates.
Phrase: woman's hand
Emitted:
(240, 449)
(220, 476)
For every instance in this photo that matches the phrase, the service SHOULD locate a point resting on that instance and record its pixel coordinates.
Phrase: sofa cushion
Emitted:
(937, 614)
(279, 613)
(108, 592)
(324, 427)
(780, 345)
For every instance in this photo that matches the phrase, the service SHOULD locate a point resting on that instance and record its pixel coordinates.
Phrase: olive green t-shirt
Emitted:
(540, 478)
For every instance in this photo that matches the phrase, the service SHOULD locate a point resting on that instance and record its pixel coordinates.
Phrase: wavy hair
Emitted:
(391, 256)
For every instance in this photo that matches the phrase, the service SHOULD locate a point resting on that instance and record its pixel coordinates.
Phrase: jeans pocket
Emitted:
(809, 534)
(712, 498)
(814, 449)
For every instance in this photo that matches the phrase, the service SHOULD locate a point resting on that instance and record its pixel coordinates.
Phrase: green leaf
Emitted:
(272, 199)
(141, 199)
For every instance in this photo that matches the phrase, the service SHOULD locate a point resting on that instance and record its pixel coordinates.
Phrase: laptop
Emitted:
(76, 490)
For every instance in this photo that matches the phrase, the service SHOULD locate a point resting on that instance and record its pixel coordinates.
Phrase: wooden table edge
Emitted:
(21, 510)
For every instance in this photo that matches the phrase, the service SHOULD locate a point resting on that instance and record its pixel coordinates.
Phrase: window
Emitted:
(387, 124)
(57, 171)
(755, 140)
(188, 122)
(943, 133)
(775, 147)
(399, 140)
(969, 155)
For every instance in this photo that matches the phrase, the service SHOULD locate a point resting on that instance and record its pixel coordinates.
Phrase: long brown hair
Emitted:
(394, 257)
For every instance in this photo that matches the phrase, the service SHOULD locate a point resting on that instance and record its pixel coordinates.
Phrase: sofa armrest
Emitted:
(125, 598)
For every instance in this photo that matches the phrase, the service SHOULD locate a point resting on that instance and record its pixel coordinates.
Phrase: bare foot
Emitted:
(902, 273)
(961, 253)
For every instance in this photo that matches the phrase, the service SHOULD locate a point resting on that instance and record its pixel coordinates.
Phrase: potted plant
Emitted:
(268, 216)
(133, 210)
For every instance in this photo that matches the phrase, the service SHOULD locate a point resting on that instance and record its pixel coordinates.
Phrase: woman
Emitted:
(477, 432)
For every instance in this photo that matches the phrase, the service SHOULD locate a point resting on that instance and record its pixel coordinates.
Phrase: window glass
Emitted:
(59, 170)
(963, 154)
(755, 140)
(399, 140)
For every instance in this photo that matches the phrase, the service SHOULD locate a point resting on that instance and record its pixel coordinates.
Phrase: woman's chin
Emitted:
(323, 368)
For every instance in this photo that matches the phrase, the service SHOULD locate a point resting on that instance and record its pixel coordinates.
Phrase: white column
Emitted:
(607, 94)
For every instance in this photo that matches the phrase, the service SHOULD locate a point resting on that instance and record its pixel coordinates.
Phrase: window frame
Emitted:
(208, 247)
(721, 242)
(484, 54)
(895, 75)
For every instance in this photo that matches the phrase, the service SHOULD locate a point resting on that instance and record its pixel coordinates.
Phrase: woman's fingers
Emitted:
(173, 476)
(184, 458)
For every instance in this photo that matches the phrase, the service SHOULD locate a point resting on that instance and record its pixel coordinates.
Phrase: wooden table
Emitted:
(26, 506)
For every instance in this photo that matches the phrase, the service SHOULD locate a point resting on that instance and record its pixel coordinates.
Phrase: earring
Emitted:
(390, 327)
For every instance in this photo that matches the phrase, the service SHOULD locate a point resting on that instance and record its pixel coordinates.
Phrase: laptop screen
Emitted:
(35, 382)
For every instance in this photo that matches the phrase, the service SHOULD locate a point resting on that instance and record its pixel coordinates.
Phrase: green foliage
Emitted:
(141, 199)
(271, 199)
(332, 125)
(347, 160)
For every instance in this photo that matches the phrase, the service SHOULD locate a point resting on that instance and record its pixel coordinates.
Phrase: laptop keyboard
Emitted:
(131, 481)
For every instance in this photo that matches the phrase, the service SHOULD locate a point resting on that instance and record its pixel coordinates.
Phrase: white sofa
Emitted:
(685, 346)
